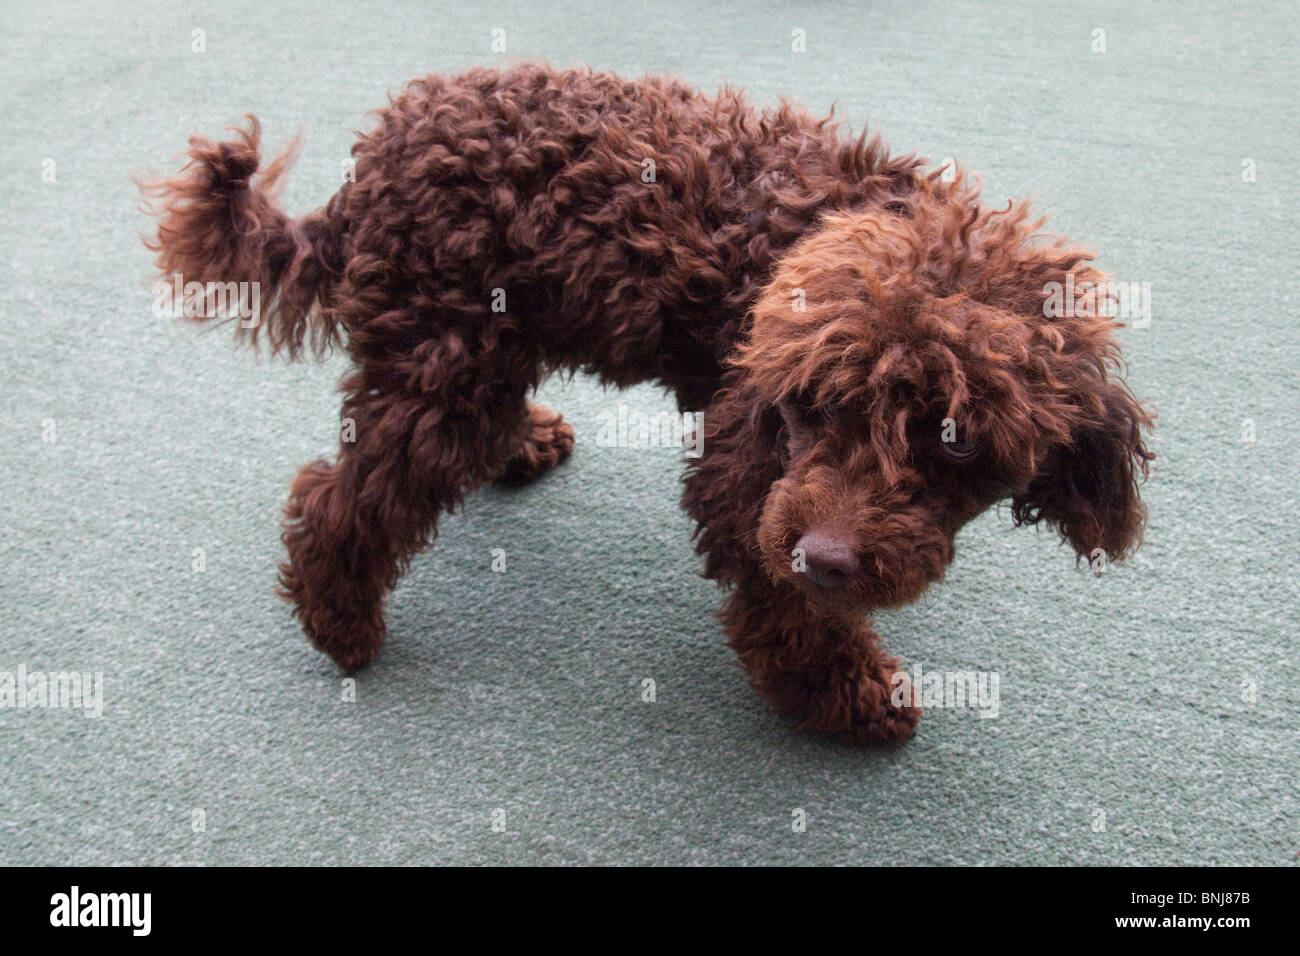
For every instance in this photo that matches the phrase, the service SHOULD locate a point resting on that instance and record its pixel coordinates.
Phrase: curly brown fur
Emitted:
(836, 312)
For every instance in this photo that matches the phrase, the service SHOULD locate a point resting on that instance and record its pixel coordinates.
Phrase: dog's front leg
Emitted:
(831, 675)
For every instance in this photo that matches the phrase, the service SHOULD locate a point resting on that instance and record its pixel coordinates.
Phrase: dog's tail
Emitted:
(222, 233)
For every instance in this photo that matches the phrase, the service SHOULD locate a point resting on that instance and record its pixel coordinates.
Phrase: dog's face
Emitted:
(908, 378)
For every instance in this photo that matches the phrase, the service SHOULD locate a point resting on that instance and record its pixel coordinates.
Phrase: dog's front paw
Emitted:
(351, 641)
(867, 702)
(353, 655)
(336, 624)
(884, 711)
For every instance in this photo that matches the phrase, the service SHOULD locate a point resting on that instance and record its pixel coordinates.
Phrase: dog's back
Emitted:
(617, 227)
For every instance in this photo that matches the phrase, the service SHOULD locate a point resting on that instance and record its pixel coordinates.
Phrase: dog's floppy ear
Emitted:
(1087, 488)
(727, 485)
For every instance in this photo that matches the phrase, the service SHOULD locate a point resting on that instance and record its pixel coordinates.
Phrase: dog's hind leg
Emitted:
(352, 527)
(548, 441)
(830, 675)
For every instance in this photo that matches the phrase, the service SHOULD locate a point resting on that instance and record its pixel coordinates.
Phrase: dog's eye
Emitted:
(959, 450)
(800, 415)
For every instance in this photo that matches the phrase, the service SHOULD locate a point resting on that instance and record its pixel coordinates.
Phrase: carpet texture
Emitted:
(1148, 715)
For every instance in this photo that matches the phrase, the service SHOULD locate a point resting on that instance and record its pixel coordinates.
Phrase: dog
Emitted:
(869, 347)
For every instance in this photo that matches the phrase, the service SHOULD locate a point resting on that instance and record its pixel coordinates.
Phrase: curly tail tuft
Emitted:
(224, 231)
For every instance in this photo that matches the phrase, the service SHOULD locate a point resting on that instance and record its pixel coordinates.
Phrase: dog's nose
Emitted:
(830, 558)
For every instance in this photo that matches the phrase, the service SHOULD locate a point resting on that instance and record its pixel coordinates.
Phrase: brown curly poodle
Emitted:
(870, 349)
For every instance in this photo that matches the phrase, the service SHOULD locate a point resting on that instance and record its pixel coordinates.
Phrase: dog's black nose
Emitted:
(830, 558)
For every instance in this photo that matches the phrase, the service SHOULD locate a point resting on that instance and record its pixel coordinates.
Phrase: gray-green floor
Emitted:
(1160, 699)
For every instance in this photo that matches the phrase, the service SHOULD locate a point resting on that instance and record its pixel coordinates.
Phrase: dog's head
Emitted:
(907, 374)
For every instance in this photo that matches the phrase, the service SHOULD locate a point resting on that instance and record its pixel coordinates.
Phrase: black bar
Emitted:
(928, 905)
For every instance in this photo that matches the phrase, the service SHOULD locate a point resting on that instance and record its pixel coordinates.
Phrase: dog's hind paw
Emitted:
(549, 441)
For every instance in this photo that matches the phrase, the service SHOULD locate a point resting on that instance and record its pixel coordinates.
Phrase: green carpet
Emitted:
(1146, 716)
